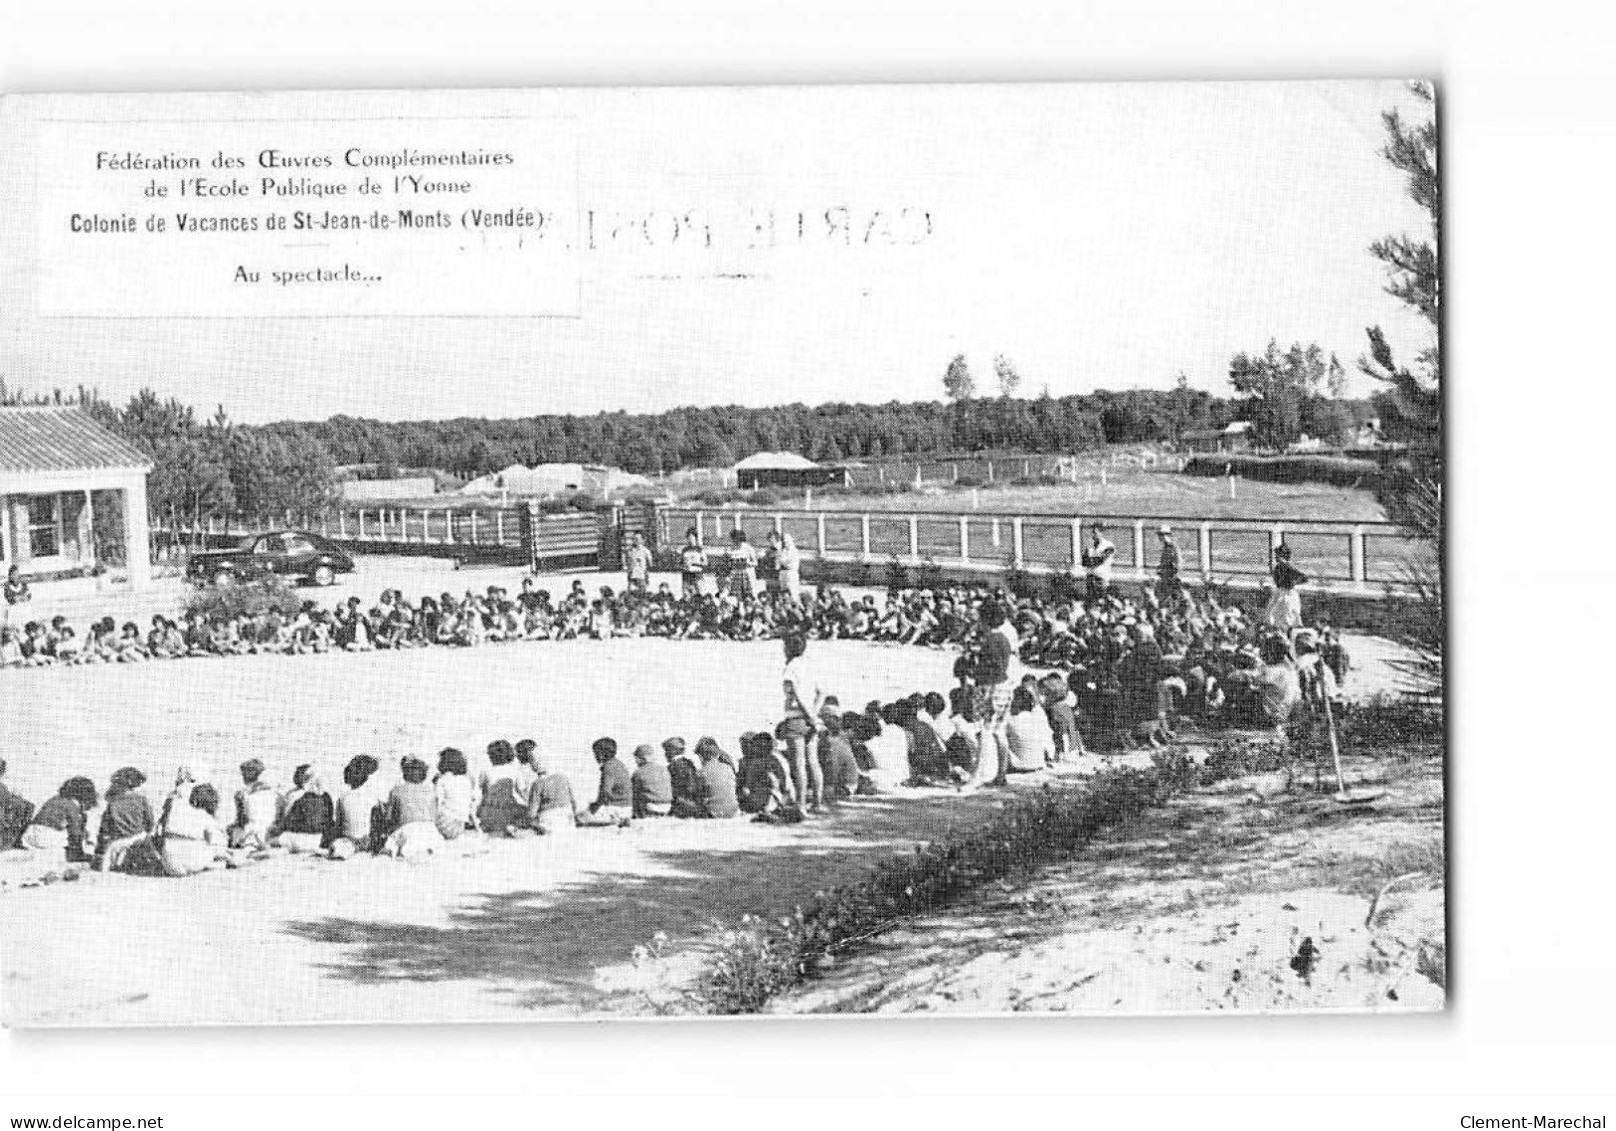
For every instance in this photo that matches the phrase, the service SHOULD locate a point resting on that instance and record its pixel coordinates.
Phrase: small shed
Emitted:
(786, 469)
(1233, 437)
(72, 496)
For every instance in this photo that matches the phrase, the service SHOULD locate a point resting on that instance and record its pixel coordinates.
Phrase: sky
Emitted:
(1099, 236)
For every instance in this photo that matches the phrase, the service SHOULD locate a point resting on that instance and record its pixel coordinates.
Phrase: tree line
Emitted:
(215, 466)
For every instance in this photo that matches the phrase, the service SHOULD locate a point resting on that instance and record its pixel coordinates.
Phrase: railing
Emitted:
(1359, 556)
(1367, 556)
(393, 526)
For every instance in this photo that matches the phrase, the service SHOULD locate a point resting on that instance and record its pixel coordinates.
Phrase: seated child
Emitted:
(61, 825)
(309, 822)
(652, 785)
(259, 808)
(355, 819)
(503, 789)
(614, 802)
(193, 840)
(412, 813)
(456, 800)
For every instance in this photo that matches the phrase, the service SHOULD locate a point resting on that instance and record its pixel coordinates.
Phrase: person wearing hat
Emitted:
(1284, 610)
(651, 783)
(259, 808)
(1168, 586)
(1097, 564)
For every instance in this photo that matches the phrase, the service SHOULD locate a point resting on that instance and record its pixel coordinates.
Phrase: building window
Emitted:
(44, 526)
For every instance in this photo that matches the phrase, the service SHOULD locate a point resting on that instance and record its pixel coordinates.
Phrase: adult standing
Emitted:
(804, 698)
(1168, 586)
(1097, 564)
(692, 563)
(787, 564)
(995, 677)
(637, 563)
(1285, 606)
(743, 562)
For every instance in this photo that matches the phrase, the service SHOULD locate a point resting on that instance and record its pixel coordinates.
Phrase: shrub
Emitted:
(248, 599)
(1384, 720)
(969, 481)
(1336, 471)
(729, 496)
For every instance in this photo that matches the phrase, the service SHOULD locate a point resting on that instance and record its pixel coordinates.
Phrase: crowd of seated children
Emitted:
(1118, 671)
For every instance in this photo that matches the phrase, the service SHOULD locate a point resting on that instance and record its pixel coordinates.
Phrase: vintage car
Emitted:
(284, 553)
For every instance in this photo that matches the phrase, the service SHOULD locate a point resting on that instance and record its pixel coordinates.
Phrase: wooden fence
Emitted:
(1355, 556)
(1366, 556)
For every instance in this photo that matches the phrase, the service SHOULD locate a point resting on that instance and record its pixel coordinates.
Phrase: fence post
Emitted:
(499, 527)
(1206, 552)
(779, 525)
(342, 525)
(1077, 544)
(1139, 546)
(701, 539)
(819, 534)
(1015, 541)
(914, 538)
(953, 472)
(864, 537)
(1026, 468)
(990, 471)
(1276, 539)
(448, 527)
(324, 516)
(361, 524)
(965, 538)
(1356, 548)
(474, 527)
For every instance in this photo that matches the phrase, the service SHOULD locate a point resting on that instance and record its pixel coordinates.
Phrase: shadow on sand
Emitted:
(543, 947)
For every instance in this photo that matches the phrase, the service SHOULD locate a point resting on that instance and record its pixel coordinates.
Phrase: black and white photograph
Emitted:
(536, 555)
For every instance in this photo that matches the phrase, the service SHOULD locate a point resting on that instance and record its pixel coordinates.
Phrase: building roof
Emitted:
(774, 461)
(61, 439)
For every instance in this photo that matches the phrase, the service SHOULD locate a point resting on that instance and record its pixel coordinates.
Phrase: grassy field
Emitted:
(1128, 494)
(1127, 491)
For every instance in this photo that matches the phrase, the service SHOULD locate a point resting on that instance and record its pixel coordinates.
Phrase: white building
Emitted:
(72, 496)
(546, 479)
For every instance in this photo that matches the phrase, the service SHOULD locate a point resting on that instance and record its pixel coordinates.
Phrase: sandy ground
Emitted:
(1208, 905)
(504, 931)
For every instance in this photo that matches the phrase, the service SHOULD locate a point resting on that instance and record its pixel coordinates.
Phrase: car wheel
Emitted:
(323, 576)
(223, 577)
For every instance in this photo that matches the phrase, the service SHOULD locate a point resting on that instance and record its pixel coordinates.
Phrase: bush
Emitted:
(970, 481)
(1383, 721)
(248, 599)
(756, 959)
(1336, 471)
(730, 496)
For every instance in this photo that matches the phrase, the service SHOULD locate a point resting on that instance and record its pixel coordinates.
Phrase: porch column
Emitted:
(136, 534)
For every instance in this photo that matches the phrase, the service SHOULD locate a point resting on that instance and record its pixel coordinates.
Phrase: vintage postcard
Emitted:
(577, 553)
